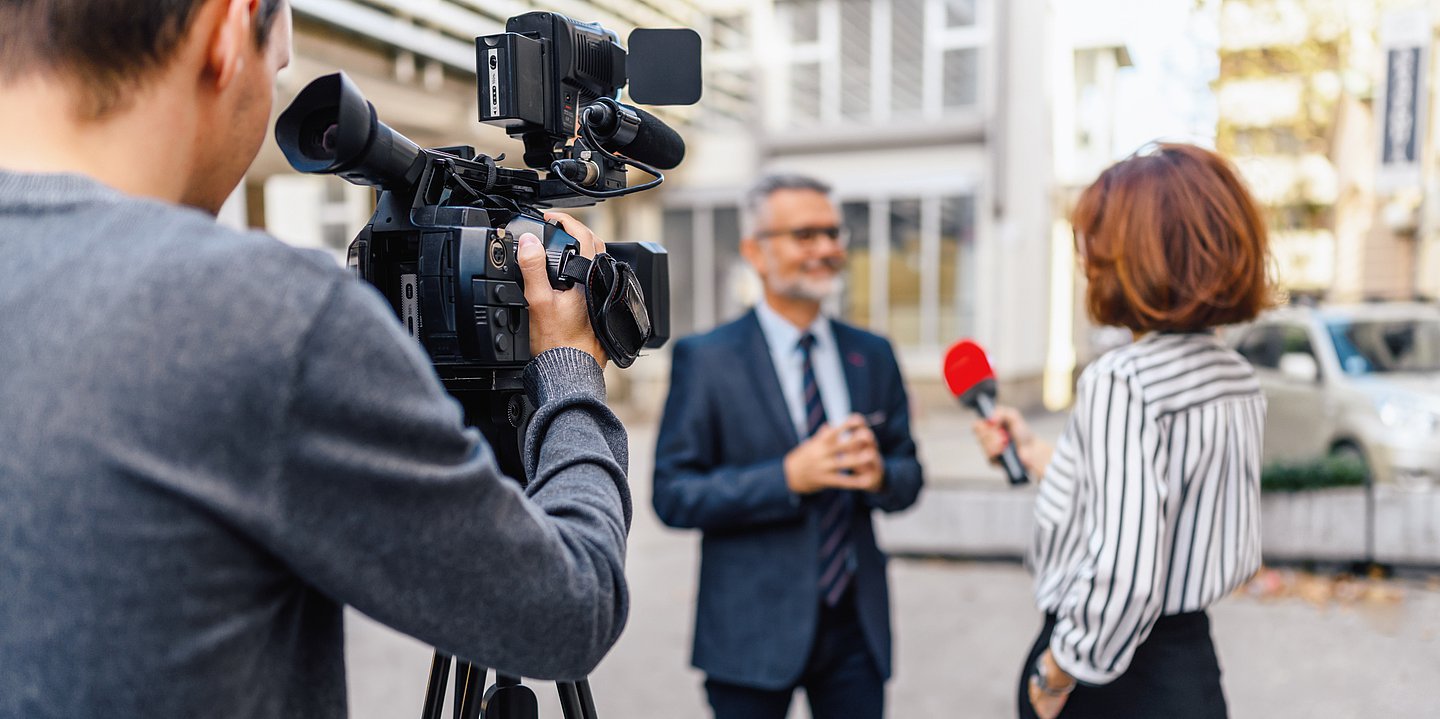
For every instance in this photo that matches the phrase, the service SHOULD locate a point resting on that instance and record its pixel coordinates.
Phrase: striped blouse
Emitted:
(1150, 505)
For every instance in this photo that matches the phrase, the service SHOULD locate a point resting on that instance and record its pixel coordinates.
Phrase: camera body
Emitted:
(441, 245)
(534, 77)
(451, 274)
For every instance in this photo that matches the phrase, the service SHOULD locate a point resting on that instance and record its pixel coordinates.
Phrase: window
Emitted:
(800, 28)
(956, 265)
(1296, 341)
(959, 13)
(805, 94)
(856, 49)
(710, 282)
(1371, 346)
(675, 224)
(337, 216)
(906, 260)
(915, 280)
(728, 32)
(1261, 345)
(957, 51)
(910, 274)
(868, 62)
(961, 75)
(729, 73)
(857, 298)
(732, 272)
(804, 21)
(907, 64)
(316, 211)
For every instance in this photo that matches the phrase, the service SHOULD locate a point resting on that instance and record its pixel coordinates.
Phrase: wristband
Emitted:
(1038, 671)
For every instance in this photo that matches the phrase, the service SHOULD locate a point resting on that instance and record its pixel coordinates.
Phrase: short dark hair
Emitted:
(106, 45)
(768, 185)
(1172, 241)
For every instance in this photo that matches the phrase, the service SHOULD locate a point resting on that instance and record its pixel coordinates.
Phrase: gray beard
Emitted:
(800, 287)
(807, 290)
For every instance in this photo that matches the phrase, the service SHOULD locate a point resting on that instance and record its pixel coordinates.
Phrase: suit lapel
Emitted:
(765, 380)
(857, 375)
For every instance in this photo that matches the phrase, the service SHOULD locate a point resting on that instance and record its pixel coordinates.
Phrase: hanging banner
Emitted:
(1403, 98)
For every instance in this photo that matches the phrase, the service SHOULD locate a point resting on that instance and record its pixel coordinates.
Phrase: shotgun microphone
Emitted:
(968, 374)
(635, 134)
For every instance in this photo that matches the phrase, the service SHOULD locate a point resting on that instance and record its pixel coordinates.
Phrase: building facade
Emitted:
(928, 119)
(1302, 95)
(931, 119)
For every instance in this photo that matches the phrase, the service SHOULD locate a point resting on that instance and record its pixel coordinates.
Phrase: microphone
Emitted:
(634, 133)
(968, 374)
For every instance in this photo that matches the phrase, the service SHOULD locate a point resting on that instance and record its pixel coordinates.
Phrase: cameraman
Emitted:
(210, 441)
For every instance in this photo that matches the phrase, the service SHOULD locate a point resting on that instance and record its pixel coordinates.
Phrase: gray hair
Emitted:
(760, 192)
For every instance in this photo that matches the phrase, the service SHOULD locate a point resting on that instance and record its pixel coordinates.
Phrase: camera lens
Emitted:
(327, 139)
(319, 134)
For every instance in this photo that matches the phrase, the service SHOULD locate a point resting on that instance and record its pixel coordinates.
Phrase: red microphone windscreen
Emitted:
(966, 366)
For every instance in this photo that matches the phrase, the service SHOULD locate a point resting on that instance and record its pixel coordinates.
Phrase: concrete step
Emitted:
(987, 519)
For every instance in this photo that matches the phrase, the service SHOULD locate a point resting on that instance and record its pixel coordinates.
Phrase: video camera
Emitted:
(441, 245)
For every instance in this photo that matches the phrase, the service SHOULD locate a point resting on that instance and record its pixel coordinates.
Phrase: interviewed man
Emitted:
(784, 430)
(210, 441)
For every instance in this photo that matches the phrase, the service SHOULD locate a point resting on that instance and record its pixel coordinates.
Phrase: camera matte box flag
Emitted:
(664, 66)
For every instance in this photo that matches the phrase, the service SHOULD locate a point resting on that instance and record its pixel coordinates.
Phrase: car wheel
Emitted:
(1353, 456)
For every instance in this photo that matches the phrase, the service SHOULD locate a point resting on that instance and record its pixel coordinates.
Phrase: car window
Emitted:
(1297, 341)
(1262, 346)
(1366, 346)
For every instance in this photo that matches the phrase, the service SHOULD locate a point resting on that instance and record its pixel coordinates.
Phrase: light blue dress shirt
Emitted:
(783, 339)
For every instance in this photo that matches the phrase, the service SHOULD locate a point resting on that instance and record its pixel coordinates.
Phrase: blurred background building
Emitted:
(957, 134)
(1324, 104)
(928, 116)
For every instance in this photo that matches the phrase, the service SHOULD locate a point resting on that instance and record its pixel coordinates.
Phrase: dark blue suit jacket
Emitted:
(718, 468)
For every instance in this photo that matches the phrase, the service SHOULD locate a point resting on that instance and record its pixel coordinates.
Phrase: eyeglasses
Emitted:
(810, 235)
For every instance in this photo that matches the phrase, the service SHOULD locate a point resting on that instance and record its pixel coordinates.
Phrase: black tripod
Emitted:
(507, 698)
(498, 408)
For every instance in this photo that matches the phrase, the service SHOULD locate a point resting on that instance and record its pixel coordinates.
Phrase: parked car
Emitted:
(1360, 382)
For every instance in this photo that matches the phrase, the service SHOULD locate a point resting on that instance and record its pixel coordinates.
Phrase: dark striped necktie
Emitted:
(837, 552)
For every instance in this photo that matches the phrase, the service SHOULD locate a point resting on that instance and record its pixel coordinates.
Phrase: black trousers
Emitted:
(1174, 675)
(840, 679)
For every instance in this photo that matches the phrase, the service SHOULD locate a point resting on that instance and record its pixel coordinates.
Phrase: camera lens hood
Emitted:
(330, 128)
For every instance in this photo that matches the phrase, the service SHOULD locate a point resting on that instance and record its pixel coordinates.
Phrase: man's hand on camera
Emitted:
(558, 318)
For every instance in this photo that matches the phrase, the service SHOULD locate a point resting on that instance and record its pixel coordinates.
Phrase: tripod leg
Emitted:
(469, 683)
(570, 704)
(587, 702)
(435, 693)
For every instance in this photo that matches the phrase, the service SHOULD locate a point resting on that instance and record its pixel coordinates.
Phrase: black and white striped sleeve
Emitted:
(1114, 592)
(1057, 535)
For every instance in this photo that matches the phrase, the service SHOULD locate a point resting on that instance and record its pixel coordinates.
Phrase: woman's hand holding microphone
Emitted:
(1006, 425)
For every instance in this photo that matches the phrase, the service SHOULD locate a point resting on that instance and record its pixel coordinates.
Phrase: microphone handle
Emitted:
(1009, 459)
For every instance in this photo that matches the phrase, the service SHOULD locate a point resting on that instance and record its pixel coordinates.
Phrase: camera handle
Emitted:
(502, 416)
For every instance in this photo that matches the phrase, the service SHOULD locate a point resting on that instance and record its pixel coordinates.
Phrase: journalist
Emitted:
(210, 442)
(1149, 506)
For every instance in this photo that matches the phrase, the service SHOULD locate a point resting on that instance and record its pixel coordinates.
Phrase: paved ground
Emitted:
(962, 629)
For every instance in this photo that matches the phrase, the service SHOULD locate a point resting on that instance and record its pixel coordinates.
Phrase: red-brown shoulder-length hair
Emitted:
(1172, 241)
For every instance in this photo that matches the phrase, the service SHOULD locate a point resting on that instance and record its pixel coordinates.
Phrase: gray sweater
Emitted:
(210, 442)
